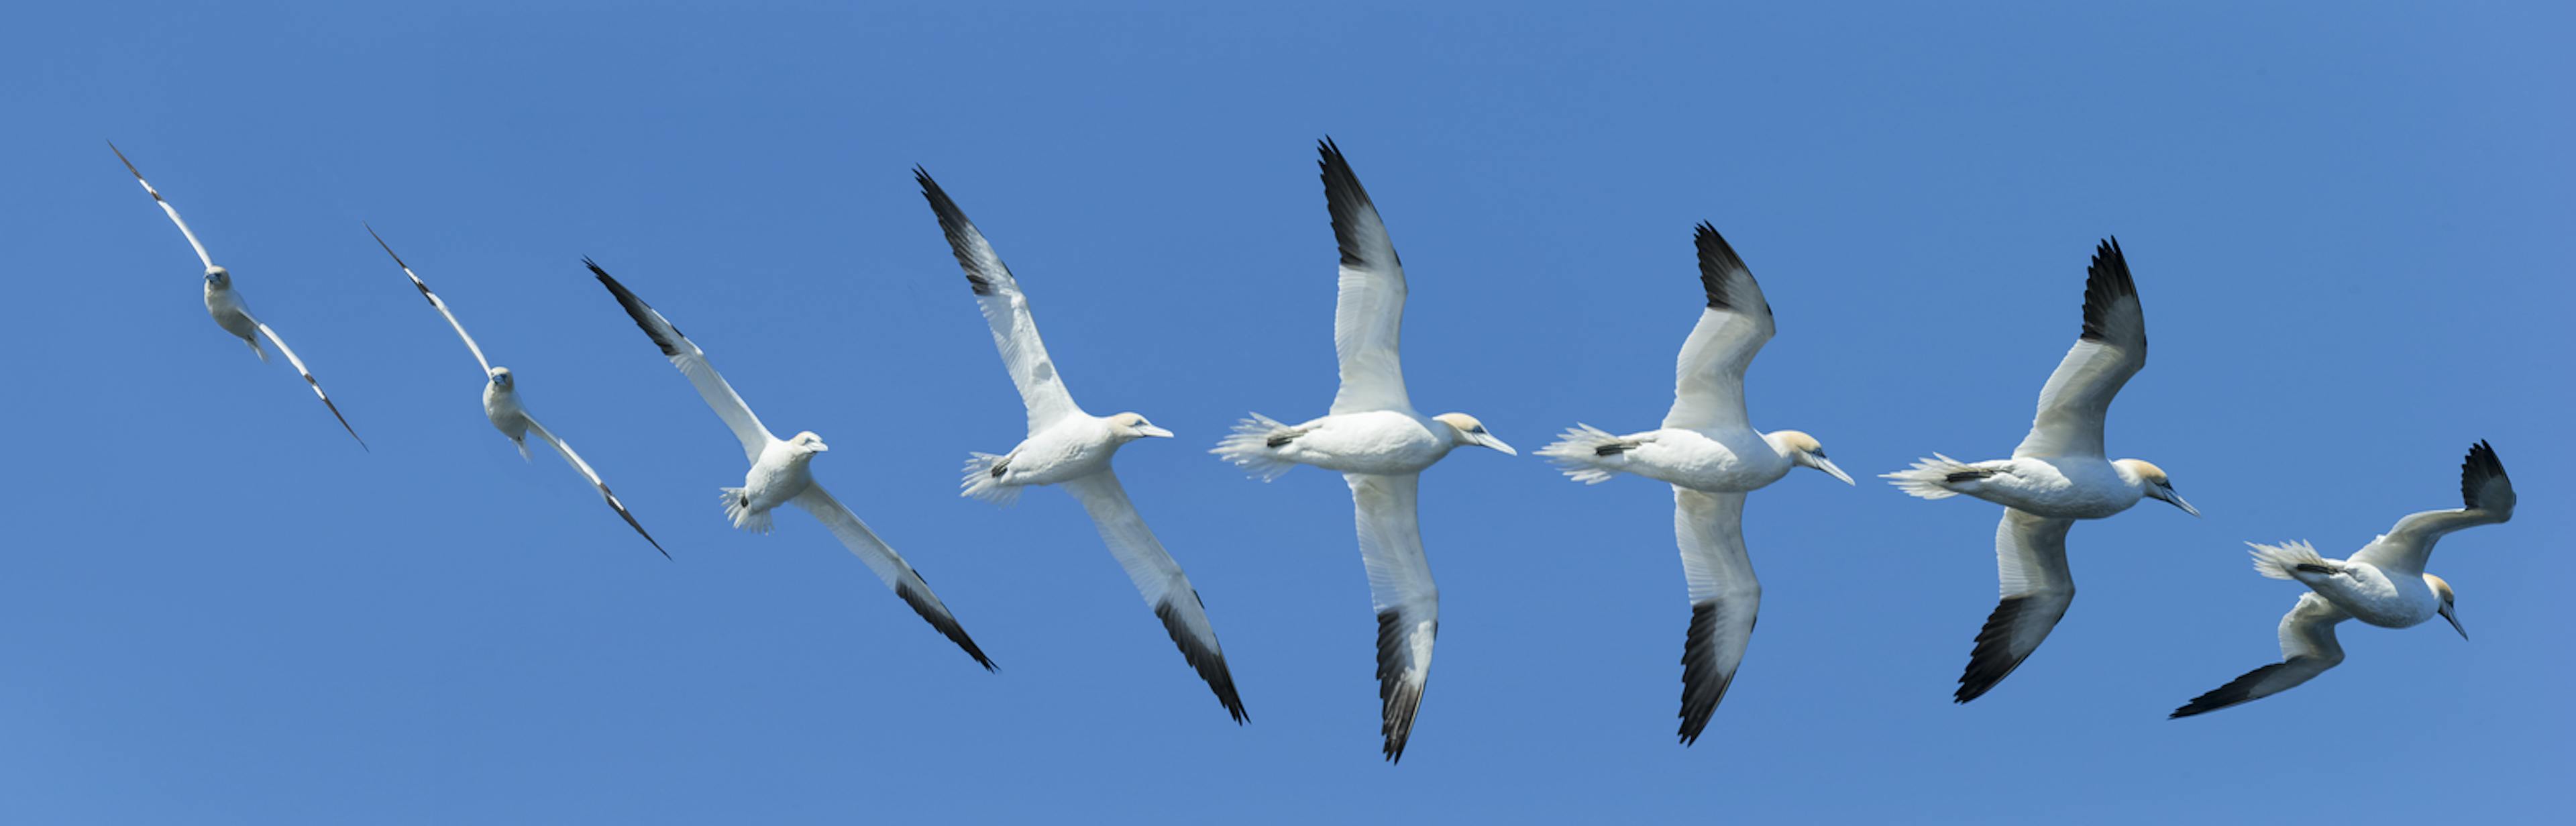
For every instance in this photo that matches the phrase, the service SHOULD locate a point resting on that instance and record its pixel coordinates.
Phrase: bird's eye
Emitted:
(1477, 429)
(1819, 452)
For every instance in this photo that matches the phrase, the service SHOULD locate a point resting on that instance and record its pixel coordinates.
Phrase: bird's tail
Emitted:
(256, 350)
(983, 479)
(522, 442)
(2286, 560)
(737, 505)
(1931, 478)
(1589, 454)
(1255, 446)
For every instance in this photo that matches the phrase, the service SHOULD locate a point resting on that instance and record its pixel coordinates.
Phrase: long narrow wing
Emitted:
(1724, 599)
(692, 362)
(208, 260)
(1400, 588)
(2113, 347)
(1368, 317)
(307, 373)
(2030, 559)
(2308, 648)
(889, 566)
(2486, 498)
(1160, 580)
(435, 303)
(565, 448)
(1708, 387)
(1006, 309)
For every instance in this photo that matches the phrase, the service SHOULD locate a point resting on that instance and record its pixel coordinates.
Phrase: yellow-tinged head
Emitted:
(2154, 483)
(1469, 431)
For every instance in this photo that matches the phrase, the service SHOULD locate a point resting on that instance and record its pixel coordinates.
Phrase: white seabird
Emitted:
(1377, 442)
(780, 471)
(1066, 446)
(226, 306)
(502, 406)
(1709, 452)
(2383, 584)
(2057, 475)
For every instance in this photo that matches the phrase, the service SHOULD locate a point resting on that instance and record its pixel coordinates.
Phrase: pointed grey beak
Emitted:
(2176, 499)
(1488, 440)
(820, 447)
(1827, 465)
(2455, 621)
(1155, 432)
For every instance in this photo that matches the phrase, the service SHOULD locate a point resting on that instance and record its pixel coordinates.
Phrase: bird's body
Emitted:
(1379, 443)
(783, 472)
(2059, 474)
(1068, 447)
(225, 305)
(2383, 584)
(1708, 451)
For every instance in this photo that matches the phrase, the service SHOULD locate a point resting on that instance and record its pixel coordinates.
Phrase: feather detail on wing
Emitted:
(1400, 588)
(2308, 648)
(1724, 598)
(583, 468)
(693, 363)
(2030, 560)
(1368, 317)
(1006, 309)
(1708, 389)
(435, 303)
(1160, 580)
(2486, 498)
(309, 381)
(193, 243)
(2077, 399)
(889, 566)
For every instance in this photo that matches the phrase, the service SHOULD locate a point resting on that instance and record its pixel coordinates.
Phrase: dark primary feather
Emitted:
(1702, 686)
(1209, 663)
(962, 235)
(1347, 199)
(2235, 691)
(1992, 660)
(2106, 280)
(939, 618)
(651, 322)
(1399, 697)
(2480, 467)
(1716, 260)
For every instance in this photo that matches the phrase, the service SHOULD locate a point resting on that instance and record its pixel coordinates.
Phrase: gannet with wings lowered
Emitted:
(226, 306)
(1066, 446)
(2057, 475)
(2383, 584)
(781, 473)
(1711, 455)
(1377, 442)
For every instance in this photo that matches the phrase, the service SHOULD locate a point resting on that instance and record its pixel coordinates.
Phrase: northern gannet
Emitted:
(226, 306)
(780, 474)
(1709, 452)
(1066, 446)
(2383, 584)
(2057, 475)
(1378, 443)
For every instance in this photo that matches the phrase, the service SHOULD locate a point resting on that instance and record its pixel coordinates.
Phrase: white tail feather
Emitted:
(737, 509)
(980, 481)
(1249, 448)
(1929, 478)
(2283, 560)
(255, 349)
(1577, 451)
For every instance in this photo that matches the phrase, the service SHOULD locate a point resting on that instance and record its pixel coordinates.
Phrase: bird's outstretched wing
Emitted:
(2030, 560)
(202, 257)
(1724, 599)
(1400, 588)
(889, 566)
(2113, 347)
(692, 362)
(2486, 498)
(1160, 580)
(1708, 389)
(1368, 317)
(1006, 309)
(307, 373)
(583, 468)
(2308, 648)
(435, 303)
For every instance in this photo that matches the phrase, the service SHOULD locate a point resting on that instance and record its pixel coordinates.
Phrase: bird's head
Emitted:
(1465, 430)
(218, 277)
(808, 444)
(1128, 427)
(2154, 483)
(1804, 451)
(501, 378)
(2443, 590)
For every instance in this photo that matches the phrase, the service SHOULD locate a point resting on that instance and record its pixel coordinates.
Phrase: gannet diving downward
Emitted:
(2057, 475)
(1072, 448)
(501, 403)
(1711, 455)
(2383, 584)
(780, 471)
(226, 306)
(1378, 443)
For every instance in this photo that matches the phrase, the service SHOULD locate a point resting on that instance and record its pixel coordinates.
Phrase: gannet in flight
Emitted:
(226, 305)
(1711, 455)
(501, 402)
(1066, 446)
(2057, 475)
(780, 474)
(1378, 443)
(2383, 584)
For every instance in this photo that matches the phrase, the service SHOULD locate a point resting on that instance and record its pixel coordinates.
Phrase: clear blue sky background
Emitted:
(2349, 228)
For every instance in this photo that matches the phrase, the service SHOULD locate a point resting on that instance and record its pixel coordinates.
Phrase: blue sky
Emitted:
(2347, 229)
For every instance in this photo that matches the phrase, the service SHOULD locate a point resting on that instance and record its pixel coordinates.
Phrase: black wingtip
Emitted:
(961, 233)
(636, 309)
(940, 619)
(2105, 280)
(2480, 467)
(1346, 199)
(1209, 663)
(1399, 699)
(2236, 691)
(1702, 687)
(1992, 659)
